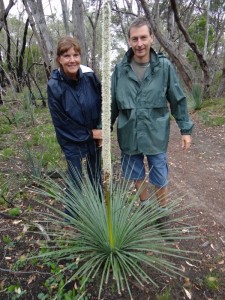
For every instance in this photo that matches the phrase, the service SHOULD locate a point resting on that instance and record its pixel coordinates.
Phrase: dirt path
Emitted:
(199, 173)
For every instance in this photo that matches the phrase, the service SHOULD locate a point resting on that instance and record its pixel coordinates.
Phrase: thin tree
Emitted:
(169, 48)
(20, 60)
(221, 88)
(78, 22)
(35, 14)
(202, 62)
(206, 29)
(94, 24)
(65, 15)
(5, 11)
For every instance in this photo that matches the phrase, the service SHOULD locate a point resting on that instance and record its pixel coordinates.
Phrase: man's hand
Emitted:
(186, 141)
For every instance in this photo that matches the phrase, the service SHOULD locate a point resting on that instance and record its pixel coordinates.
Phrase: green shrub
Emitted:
(164, 296)
(195, 97)
(7, 153)
(212, 112)
(14, 212)
(211, 281)
(92, 251)
(5, 128)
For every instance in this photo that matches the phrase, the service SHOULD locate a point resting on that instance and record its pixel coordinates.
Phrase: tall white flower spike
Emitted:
(106, 91)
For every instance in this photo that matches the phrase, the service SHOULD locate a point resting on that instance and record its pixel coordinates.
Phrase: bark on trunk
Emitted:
(65, 16)
(39, 27)
(4, 11)
(21, 57)
(221, 88)
(78, 21)
(169, 48)
(94, 23)
(202, 62)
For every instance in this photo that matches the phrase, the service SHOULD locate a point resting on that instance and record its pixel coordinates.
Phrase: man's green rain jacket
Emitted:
(143, 110)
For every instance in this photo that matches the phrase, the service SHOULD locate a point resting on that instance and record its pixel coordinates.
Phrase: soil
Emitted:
(198, 175)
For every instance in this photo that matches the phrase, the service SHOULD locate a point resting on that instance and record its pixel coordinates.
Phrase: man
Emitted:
(143, 84)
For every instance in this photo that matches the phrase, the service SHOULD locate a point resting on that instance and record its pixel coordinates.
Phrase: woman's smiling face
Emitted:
(70, 62)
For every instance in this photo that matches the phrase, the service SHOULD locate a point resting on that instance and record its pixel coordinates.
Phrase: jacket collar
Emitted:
(154, 60)
(60, 75)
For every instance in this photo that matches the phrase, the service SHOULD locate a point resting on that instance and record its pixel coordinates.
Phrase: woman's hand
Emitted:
(97, 136)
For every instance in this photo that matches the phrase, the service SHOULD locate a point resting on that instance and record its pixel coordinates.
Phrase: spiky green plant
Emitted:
(87, 248)
(195, 97)
(35, 163)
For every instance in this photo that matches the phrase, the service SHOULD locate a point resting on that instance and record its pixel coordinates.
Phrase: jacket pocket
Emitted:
(153, 99)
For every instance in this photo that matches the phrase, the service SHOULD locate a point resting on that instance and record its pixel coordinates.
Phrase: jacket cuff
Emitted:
(91, 134)
(186, 132)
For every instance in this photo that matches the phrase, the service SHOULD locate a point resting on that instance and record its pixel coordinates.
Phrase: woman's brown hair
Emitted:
(65, 43)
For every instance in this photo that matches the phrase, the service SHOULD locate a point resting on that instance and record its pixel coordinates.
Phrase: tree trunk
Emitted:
(121, 22)
(170, 24)
(202, 62)
(221, 88)
(78, 22)
(94, 24)
(39, 17)
(207, 30)
(4, 12)
(2, 78)
(8, 51)
(213, 62)
(3, 24)
(39, 27)
(65, 16)
(21, 57)
(169, 48)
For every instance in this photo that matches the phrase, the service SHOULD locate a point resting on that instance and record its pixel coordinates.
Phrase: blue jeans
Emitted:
(133, 168)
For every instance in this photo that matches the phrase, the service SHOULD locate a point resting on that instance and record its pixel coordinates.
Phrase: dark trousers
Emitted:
(93, 169)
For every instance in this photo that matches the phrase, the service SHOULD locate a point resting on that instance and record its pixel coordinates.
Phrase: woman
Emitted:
(74, 99)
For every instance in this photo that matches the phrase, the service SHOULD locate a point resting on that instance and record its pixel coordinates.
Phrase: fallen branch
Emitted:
(24, 272)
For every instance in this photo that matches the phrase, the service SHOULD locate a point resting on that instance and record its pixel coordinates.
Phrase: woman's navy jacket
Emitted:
(75, 108)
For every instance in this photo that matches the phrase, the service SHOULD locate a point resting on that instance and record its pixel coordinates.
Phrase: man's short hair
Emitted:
(138, 22)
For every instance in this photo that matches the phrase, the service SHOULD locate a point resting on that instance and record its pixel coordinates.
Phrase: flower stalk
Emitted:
(106, 112)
